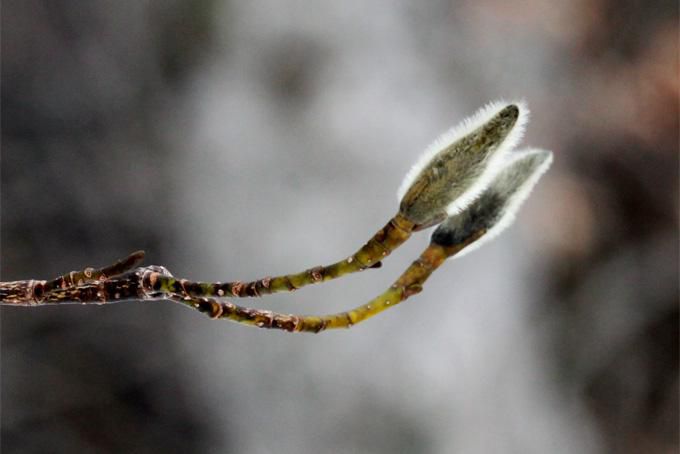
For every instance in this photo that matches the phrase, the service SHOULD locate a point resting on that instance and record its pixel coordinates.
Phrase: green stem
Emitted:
(386, 240)
(409, 283)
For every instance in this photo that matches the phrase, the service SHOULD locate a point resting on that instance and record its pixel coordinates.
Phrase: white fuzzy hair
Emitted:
(459, 131)
(516, 199)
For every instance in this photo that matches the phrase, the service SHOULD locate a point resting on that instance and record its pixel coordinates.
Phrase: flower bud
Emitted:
(458, 166)
(495, 209)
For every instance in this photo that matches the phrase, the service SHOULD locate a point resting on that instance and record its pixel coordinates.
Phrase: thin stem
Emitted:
(60, 289)
(409, 283)
(386, 240)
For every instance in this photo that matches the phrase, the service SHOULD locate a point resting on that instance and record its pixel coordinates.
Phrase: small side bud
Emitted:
(455, 169)
(496, 208)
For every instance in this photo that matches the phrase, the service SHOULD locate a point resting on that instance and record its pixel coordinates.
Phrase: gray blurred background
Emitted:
(236, 139)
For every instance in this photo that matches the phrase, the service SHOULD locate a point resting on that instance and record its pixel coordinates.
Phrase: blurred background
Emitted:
(239, 139)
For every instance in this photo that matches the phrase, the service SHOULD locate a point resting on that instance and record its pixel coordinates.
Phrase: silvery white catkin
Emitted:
(495, 209)
(459, 165)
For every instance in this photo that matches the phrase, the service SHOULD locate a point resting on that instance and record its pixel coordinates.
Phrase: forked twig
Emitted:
(152, 283)
(409, 283)
(468, 182)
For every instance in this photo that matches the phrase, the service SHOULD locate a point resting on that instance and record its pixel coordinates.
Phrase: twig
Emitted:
(409, 283)
(34, 292)
(152, 283)
(383, 243)
(386, 240)
(76, 286)
(90, 274)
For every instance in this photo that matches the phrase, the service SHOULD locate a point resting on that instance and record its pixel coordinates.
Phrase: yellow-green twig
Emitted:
(409, 283)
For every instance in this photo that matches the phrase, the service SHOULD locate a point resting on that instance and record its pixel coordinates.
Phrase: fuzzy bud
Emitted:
(495, 209)
(455, 169)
